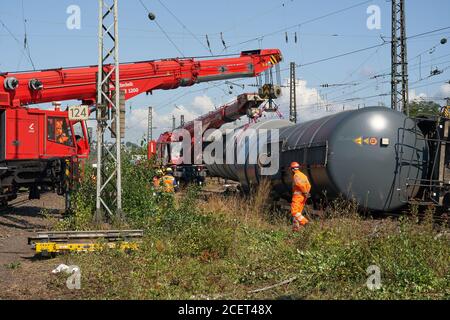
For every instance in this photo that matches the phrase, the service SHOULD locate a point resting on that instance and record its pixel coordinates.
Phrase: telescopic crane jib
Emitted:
(38, 147)
(80, 83)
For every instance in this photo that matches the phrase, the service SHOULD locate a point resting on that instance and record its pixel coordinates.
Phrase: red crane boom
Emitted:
(245, 104)
(24, 88)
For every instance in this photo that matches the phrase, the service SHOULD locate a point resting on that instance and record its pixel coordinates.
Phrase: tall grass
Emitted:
(226, 246)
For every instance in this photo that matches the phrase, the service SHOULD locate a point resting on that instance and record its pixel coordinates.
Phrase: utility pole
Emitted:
(293, 95)
(150, 125)
(173, 123)
(109, 175)
(399, 59)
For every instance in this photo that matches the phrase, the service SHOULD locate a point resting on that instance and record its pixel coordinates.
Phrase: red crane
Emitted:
(245, 104)
(36, 145)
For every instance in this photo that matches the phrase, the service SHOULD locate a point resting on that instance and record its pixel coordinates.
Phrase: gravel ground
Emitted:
(22, 276)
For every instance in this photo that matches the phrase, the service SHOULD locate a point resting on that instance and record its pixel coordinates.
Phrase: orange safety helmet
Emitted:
(295, 165)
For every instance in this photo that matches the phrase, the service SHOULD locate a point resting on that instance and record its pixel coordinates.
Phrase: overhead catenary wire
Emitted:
(26, 45)
(184, 27)
(163, 31)
(259, 15)
(385, 94)
(362, 49)
(370, 85)
(411, 67)
(18, 42)
(211, 85)
(300, 24)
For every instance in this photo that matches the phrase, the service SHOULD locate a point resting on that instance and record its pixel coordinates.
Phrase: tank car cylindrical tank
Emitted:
(374, 155)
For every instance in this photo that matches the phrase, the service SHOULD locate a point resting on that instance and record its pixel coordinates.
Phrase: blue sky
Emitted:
(53, 45)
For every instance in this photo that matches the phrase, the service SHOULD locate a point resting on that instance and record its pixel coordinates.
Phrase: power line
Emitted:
(26, 45)
(332, 58)
(428, 84)
(427, 33)
(370, 85)
(341, 55)
(256, 16)
(18, 42)
(184, 26)
(163, 31)
(301, 24)
(363, 49)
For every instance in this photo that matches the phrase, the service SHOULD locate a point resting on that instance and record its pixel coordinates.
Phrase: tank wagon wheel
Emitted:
(3, 203)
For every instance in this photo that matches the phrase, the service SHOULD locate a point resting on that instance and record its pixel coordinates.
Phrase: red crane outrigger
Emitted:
(32, 155)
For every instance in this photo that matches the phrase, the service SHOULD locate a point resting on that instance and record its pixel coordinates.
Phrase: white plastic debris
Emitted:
(66, 269)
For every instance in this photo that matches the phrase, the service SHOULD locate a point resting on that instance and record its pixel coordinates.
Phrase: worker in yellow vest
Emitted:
(300, 193)
(168, 182)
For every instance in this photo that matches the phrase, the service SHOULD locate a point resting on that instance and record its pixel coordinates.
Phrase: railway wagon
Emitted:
(377, 156)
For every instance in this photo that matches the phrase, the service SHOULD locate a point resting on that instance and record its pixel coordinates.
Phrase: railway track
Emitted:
(217, 189)
(16, 203)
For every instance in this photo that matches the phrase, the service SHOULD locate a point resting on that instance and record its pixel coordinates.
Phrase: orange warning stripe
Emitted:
(274, 59)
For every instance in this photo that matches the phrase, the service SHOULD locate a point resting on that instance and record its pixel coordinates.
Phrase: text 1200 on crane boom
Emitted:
(38, 147)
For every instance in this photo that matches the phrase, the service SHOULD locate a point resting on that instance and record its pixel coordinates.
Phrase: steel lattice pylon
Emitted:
(109, 179)
(293, 95)
(150, 125)
(399, 72)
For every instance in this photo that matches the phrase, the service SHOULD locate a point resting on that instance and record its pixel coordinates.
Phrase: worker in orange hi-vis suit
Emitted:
(61, 137)
(157, 179)
(300, 193)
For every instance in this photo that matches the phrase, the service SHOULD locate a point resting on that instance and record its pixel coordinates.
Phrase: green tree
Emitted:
(423, 108)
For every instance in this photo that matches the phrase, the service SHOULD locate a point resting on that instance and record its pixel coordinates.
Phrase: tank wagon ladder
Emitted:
(433, 188)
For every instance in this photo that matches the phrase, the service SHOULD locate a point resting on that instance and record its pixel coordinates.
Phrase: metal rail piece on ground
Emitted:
(84, 241)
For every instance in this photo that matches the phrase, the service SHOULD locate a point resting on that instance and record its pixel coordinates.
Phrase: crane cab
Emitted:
(32, 134)
(36, 146)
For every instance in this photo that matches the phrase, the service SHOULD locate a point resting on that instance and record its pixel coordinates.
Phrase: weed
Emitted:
(226, 246)
(13, 265)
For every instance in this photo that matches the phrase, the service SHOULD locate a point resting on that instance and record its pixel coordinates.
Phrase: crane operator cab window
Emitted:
(58, 130)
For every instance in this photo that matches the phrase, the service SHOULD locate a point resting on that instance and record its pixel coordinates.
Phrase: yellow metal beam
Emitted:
(54, 247)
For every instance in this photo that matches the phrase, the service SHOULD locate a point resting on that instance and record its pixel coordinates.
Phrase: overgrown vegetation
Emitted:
(226, 246)
(424, 108)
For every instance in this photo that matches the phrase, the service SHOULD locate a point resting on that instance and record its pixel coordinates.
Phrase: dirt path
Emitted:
(21, 275)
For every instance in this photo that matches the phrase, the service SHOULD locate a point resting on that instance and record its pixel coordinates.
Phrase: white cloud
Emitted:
(310, 104)
(444, 90)
(367, 71)
(137, 119)
(412, 95)
(202, 104)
